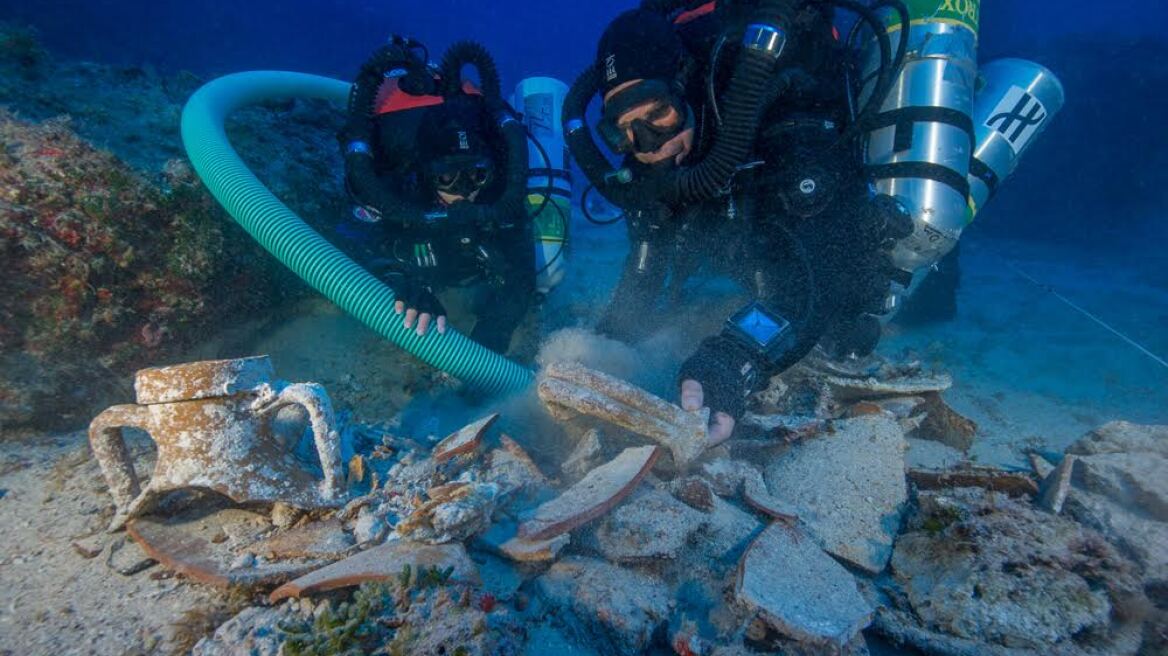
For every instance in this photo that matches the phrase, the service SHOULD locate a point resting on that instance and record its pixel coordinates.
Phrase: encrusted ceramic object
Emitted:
(212, 424)
(569, 390)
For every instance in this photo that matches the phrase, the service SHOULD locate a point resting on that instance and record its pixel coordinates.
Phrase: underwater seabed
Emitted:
(1034, 373)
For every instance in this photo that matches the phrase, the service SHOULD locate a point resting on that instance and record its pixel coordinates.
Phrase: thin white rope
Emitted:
(1047, 288)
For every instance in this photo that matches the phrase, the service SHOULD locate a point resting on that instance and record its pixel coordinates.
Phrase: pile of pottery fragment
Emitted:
(844, 510)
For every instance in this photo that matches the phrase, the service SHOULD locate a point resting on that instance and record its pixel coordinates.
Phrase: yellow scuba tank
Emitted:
(919, 146)
(549, 185)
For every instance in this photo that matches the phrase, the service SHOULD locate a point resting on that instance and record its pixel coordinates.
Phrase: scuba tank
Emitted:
(1016, 99)
(549, 182)
(918, 146)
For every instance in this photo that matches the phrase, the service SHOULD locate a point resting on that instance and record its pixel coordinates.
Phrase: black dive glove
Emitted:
(727, 371)
(414, 293)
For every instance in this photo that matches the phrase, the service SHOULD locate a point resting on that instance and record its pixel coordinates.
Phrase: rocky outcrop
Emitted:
(1120, 488)
(986, 568)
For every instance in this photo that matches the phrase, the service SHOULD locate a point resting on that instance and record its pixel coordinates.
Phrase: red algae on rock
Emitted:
(102, 272)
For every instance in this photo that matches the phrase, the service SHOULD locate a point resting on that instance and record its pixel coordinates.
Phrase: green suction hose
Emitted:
(286, 236)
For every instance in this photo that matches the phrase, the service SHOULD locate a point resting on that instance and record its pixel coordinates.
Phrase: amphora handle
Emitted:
(313, 398)
(109, 447)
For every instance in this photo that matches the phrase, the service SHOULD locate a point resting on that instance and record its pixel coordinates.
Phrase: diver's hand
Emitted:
(423, 319)
(419, 305)
(720, 375)
(693, 399)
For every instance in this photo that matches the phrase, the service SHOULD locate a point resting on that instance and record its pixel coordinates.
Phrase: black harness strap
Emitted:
(983, 172)
(927, 170)
(559, 174)
(906, 117)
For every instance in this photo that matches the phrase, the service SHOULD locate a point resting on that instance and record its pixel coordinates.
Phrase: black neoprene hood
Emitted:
(638, 44)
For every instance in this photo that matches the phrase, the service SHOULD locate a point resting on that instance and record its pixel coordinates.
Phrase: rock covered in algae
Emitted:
(113, 260)
(983, 567)
(101, 271)
(1120, 488)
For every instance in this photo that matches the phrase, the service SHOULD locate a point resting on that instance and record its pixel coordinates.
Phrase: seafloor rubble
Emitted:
(113, 259)
(837, 518)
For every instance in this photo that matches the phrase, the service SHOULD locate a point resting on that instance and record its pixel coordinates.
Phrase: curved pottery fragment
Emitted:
(212, 424)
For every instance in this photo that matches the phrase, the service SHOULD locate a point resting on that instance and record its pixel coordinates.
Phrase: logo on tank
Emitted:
(463, 142)
(1017, 117)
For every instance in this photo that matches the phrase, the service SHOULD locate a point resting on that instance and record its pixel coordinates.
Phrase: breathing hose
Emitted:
(469, 52)
(286, 236)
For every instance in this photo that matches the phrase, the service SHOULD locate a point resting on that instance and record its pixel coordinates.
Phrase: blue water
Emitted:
(1099, 175)
(1087, 210)
(1086, 215)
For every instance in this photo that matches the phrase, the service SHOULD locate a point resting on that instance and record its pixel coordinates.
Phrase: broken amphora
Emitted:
(212, 422)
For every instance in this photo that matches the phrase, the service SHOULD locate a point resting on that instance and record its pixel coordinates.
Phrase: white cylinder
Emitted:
(549, 183)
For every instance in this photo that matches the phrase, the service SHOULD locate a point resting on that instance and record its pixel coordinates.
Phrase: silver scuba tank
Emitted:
(1016, 100)
(919, 148)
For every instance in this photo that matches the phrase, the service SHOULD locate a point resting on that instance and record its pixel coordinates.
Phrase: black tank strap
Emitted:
(983, 172)
(559, 174)
(905, 117)
(927, 170)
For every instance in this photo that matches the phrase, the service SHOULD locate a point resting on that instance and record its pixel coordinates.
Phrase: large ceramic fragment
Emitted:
(503, 540)
(799, 590)
(568, 388)
(596, 494)
(1052, 493)
(621, 609)
(943, 424)
(384, 563)
(325, 540)
(190, 547)
(855, 389)
(1012, 483)
(848, 488)
(218, 436)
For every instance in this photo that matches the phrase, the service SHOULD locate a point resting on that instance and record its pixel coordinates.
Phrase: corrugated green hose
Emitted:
(293, 242)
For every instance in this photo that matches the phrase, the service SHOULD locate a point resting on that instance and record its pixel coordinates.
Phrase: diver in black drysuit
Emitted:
(761, 180)
(437, 170)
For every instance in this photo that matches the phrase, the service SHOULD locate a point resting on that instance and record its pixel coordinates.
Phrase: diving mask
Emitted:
(460, 177)
(648, 133)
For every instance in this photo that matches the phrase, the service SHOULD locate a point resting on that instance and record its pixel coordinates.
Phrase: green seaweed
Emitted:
(352, 628)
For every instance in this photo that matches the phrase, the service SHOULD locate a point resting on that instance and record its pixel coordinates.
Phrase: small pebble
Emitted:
(244, 561)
